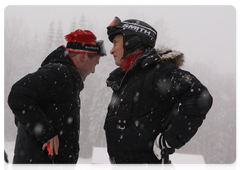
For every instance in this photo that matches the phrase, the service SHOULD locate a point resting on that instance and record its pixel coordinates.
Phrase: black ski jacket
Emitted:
(45, 104)
(154, 96)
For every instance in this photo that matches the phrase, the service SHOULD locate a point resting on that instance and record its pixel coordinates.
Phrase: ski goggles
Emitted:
(91, 49)
(117, 26)
(116, 21)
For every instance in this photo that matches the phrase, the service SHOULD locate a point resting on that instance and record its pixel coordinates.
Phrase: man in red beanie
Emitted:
(3, 157)
(46, 103)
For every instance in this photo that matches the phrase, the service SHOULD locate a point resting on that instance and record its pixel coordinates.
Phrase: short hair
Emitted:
(73, 54)
(92, 55)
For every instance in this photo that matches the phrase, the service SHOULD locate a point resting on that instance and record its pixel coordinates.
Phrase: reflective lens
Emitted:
(115, 22)
(112, 29)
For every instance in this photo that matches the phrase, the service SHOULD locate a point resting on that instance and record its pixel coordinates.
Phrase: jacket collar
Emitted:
(148, 57)
(61, 55)
(117, 77)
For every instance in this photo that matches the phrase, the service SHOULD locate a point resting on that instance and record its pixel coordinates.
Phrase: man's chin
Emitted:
(83, 78)
(117, 63)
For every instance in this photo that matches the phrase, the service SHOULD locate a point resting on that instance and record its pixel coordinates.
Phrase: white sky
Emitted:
(207, 31)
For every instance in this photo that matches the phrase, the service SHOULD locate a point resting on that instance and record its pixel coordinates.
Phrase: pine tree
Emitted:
(50, 39)
(164, 40)
(16, 52)
(73, 25)
(82, 23)
(95, 99)
(59, 40)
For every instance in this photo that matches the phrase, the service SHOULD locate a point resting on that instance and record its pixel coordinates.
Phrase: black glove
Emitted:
(161, 149)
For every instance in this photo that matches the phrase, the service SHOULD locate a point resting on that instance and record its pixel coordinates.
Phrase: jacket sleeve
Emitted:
(25, 102)
(193, 100)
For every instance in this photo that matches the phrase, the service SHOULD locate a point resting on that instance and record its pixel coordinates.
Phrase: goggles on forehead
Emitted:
(116, 21)
(115, 25)
(95, 49)
(135, 26)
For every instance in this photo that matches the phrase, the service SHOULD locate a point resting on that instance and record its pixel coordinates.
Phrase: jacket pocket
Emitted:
(120, 116)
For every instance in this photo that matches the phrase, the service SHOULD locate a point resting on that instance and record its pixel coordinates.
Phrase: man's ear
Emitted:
(81, 57)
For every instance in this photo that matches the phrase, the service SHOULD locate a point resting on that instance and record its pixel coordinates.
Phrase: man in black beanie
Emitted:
(156, 107)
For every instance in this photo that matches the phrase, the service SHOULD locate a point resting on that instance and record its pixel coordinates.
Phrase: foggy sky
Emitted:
(203, 33)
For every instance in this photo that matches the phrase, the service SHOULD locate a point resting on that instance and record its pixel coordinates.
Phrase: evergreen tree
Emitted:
(164, 40)
(37, 52)
(73, 25)
(50, 39)
(95, 99)
(59, 40)
(16, 50)
(82, 23)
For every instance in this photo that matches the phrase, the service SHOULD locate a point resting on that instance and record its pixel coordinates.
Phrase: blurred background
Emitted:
(205, 34)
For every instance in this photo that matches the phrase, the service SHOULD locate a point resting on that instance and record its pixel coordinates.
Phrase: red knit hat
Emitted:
(81, 36)
(77, 40)
(84, 41)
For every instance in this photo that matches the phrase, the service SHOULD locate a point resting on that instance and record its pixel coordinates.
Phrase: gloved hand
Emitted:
(161, 147)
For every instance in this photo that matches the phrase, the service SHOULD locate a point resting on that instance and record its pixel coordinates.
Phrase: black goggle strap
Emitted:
(99, 47)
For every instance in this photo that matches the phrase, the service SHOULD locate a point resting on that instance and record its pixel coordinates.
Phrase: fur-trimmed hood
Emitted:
(176, 57)
(153, 55)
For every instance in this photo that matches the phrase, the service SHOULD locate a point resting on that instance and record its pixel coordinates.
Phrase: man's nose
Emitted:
(112, 51)
(93, 70)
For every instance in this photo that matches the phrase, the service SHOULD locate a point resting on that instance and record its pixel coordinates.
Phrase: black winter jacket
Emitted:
(154, 96)
(45, 104)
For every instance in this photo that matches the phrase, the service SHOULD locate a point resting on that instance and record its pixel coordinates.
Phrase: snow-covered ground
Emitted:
(100, 156)
(83, 164)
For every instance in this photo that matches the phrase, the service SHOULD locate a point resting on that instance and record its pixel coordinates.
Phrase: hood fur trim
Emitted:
(176, 57)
